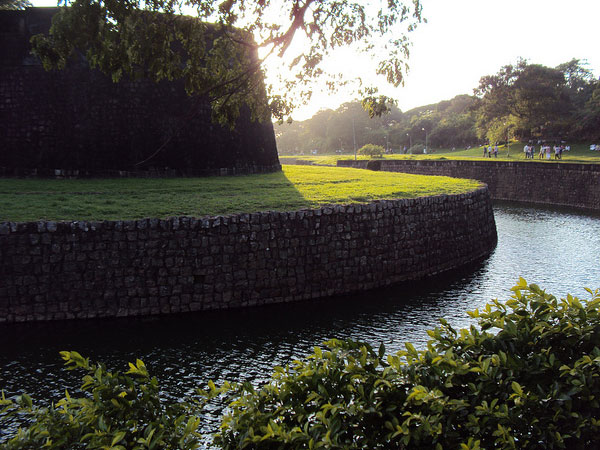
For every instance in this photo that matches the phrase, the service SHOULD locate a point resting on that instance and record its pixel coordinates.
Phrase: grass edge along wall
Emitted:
(68, 270)
(571, 185)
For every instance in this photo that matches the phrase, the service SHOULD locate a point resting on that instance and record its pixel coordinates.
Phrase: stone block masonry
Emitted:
(560, 184)
(76, 122)
(76, 270)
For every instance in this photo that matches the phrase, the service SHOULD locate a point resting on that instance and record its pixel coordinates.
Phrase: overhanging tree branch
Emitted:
(119, 40)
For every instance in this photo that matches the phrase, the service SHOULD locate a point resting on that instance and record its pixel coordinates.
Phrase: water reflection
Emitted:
(556, 249)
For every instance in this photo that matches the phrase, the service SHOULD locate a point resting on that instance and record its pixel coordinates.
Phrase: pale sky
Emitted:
(466, 39)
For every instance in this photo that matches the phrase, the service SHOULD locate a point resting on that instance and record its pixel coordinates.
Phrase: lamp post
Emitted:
(425, 139)
(507, 143)
(354, 138)
(409, 142)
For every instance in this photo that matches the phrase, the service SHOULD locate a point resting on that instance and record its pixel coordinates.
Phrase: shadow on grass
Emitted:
(127, 199)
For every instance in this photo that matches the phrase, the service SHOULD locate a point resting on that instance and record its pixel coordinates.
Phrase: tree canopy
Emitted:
(221, 55)
(14, 4)
(522, 101)
(534, 101)
(450, 123)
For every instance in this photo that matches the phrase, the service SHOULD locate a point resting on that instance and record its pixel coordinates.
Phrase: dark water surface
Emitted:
(557, 249)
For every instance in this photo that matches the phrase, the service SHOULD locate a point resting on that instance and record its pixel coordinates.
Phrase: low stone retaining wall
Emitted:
(51, 270)
(6, 172)
(561, 184)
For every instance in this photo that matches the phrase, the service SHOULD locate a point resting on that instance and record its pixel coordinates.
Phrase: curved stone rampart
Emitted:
(77, 122)
(560, 184)
(65, 270)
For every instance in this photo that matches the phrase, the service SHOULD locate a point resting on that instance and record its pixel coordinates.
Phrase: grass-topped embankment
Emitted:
(579, 153)
(295, 188)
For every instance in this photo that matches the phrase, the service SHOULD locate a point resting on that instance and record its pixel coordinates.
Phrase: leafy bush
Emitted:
(527, 377)
(371, 150)
(416, 149)
(533, 383)
(114, 411)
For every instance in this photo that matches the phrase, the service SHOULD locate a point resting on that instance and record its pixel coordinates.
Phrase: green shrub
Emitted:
(113, 411)
(371, 150)
(416, 149)
(526, 377)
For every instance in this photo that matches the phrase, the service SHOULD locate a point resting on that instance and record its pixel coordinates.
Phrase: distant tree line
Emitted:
(14, 4)
(521, 102)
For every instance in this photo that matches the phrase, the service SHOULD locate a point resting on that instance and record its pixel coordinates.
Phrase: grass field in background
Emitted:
(295, 188)
(579, 153)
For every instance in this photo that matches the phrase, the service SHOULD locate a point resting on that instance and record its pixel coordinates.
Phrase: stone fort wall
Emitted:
(561, 184)
(80, 122)
(67, 270)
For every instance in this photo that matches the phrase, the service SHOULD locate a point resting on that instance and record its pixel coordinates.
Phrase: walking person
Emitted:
(526, 151)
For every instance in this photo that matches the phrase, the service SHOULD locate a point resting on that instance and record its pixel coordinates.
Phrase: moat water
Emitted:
(554, 248)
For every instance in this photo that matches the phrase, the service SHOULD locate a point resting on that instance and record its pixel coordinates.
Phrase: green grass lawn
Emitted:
(295, 188)
(580, 153)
